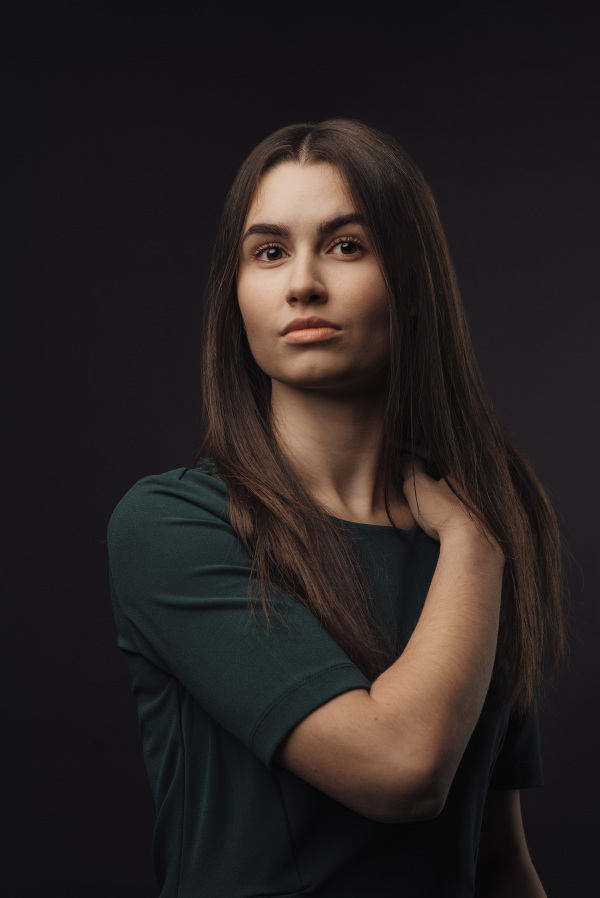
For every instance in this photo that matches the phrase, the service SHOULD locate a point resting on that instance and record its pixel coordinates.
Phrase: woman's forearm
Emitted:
(431, 697)
(391, 752)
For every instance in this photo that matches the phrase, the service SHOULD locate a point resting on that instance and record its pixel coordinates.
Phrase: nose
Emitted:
(305, 284)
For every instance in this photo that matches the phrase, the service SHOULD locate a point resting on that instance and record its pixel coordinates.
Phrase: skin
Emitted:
(327, 403)
(327, 397)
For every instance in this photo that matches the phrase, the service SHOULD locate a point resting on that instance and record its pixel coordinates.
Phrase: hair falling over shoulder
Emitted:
(435, 399)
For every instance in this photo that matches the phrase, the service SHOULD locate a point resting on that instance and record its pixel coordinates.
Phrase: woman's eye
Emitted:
(273, 252)
(348, 247)
(269, 253)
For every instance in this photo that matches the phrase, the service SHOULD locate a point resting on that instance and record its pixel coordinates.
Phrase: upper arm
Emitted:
(179, 581)
(343, 749)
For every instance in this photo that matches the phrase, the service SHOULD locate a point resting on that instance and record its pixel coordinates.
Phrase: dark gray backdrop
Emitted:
(124, 131)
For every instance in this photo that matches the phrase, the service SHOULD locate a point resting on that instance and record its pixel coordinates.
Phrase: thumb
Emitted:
(407, 462)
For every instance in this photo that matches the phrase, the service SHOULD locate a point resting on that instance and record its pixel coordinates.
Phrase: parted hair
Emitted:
(435, 400)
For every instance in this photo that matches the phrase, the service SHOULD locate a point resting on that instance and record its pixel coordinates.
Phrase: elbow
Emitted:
(430, 803)
(433, 787)
(421, 796)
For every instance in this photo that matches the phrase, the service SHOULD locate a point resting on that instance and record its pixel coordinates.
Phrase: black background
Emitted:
(124, 129)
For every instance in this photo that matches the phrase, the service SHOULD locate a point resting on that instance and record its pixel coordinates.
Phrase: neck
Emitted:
(334, 444)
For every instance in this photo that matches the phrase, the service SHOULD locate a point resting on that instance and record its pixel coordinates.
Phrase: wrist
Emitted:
(473, 548)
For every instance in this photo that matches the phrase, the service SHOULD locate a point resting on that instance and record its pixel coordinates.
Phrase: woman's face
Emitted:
(306, 261)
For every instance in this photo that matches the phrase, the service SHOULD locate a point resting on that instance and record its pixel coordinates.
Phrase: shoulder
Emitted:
(169, 501)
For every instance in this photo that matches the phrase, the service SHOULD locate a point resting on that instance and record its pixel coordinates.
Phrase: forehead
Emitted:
(291, 190)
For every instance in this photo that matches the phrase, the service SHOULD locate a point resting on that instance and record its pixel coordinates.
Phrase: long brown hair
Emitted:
(436, 400)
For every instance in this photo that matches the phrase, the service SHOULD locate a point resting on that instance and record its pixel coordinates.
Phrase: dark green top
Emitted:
(216, 695)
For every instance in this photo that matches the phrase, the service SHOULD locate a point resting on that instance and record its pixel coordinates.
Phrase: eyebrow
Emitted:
(326, 227)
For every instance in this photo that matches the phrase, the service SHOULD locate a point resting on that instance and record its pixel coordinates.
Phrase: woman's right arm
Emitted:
(391, 753)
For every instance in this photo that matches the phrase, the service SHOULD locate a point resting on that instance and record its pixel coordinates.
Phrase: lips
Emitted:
(299, 324)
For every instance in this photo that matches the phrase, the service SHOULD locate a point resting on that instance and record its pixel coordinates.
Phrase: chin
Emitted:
(343, 383)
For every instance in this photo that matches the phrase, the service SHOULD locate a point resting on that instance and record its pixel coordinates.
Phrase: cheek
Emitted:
(242, 292)
(373, 320)
(254, 308)
(373, 307)
(255, 303)
(257, 328)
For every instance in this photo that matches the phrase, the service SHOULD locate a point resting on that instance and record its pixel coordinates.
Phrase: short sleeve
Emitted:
(179, 584)
(519, 763)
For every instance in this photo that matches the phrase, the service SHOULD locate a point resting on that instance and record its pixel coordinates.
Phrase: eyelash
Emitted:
(353, 240)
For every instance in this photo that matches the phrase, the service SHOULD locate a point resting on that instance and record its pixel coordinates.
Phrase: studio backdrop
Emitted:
(125, 130)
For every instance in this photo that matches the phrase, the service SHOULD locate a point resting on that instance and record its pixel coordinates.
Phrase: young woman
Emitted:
(336, 618)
